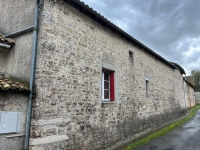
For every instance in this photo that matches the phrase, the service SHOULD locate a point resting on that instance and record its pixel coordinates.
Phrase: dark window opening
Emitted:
(130, 54)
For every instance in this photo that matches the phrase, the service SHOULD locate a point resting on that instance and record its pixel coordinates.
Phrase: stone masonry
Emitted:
(191, 96)
(71, 51)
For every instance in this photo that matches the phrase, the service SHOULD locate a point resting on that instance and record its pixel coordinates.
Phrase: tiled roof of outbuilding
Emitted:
(8, 41)
(190, 81)
(11, 84)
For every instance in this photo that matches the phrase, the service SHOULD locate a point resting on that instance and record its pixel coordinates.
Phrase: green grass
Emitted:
(162, 131)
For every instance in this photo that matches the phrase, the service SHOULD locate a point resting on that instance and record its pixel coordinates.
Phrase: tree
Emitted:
(196, 75)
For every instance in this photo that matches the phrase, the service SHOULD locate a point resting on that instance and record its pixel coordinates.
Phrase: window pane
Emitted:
(106, 76)
(106, 85)
(106, 94)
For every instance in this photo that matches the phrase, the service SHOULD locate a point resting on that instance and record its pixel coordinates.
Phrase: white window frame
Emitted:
(103, 99)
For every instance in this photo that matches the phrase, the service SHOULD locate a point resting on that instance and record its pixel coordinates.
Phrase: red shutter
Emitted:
(112, 86)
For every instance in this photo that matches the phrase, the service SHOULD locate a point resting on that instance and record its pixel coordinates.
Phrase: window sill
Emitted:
(148, 96)
(103, 101)
(15, 135)
(105, 104)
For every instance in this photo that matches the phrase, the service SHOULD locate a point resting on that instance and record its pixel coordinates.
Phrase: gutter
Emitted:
(5, 46)
(32, 76)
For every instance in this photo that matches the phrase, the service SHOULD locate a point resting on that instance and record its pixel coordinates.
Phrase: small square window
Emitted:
(108, 86)
(130, 54)
(9, 122)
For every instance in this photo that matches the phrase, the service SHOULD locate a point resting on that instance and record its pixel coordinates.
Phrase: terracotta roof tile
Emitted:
(11, 84)
(190, 81)
(7, 41)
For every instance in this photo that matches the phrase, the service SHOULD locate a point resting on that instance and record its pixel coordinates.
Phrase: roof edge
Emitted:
(6, 42)
(178, 67)
(190, 84)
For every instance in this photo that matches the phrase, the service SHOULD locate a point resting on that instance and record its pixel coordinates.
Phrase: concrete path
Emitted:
(185, 137)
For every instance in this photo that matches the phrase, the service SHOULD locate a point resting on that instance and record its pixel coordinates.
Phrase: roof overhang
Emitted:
(179, 67)
(190, 81)
(6, 43)
(12, 84)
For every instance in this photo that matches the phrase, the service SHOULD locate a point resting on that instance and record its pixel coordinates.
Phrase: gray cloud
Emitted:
(169, 27)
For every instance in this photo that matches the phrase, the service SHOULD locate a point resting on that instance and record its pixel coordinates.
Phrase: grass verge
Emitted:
(163, 131)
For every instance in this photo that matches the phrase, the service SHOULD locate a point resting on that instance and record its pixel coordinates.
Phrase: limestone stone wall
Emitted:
(71, 52)
(191, 96)
(179, 88)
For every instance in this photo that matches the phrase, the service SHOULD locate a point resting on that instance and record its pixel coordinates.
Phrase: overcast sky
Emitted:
(171, 28)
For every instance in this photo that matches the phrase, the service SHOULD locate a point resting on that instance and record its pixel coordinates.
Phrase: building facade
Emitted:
(197, 97)
(92, 86)
(189, 91)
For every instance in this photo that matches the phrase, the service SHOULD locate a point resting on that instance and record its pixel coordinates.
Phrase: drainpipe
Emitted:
(5, 46)
(32, 76)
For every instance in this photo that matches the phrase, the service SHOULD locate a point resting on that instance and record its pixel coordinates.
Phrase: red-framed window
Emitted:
(108, 85)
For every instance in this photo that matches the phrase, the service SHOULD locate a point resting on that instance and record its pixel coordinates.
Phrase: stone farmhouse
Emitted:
(70, 79)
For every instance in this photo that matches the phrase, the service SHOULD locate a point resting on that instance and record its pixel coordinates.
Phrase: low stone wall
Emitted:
(197, 101)
(91, 137)
(105, 137)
